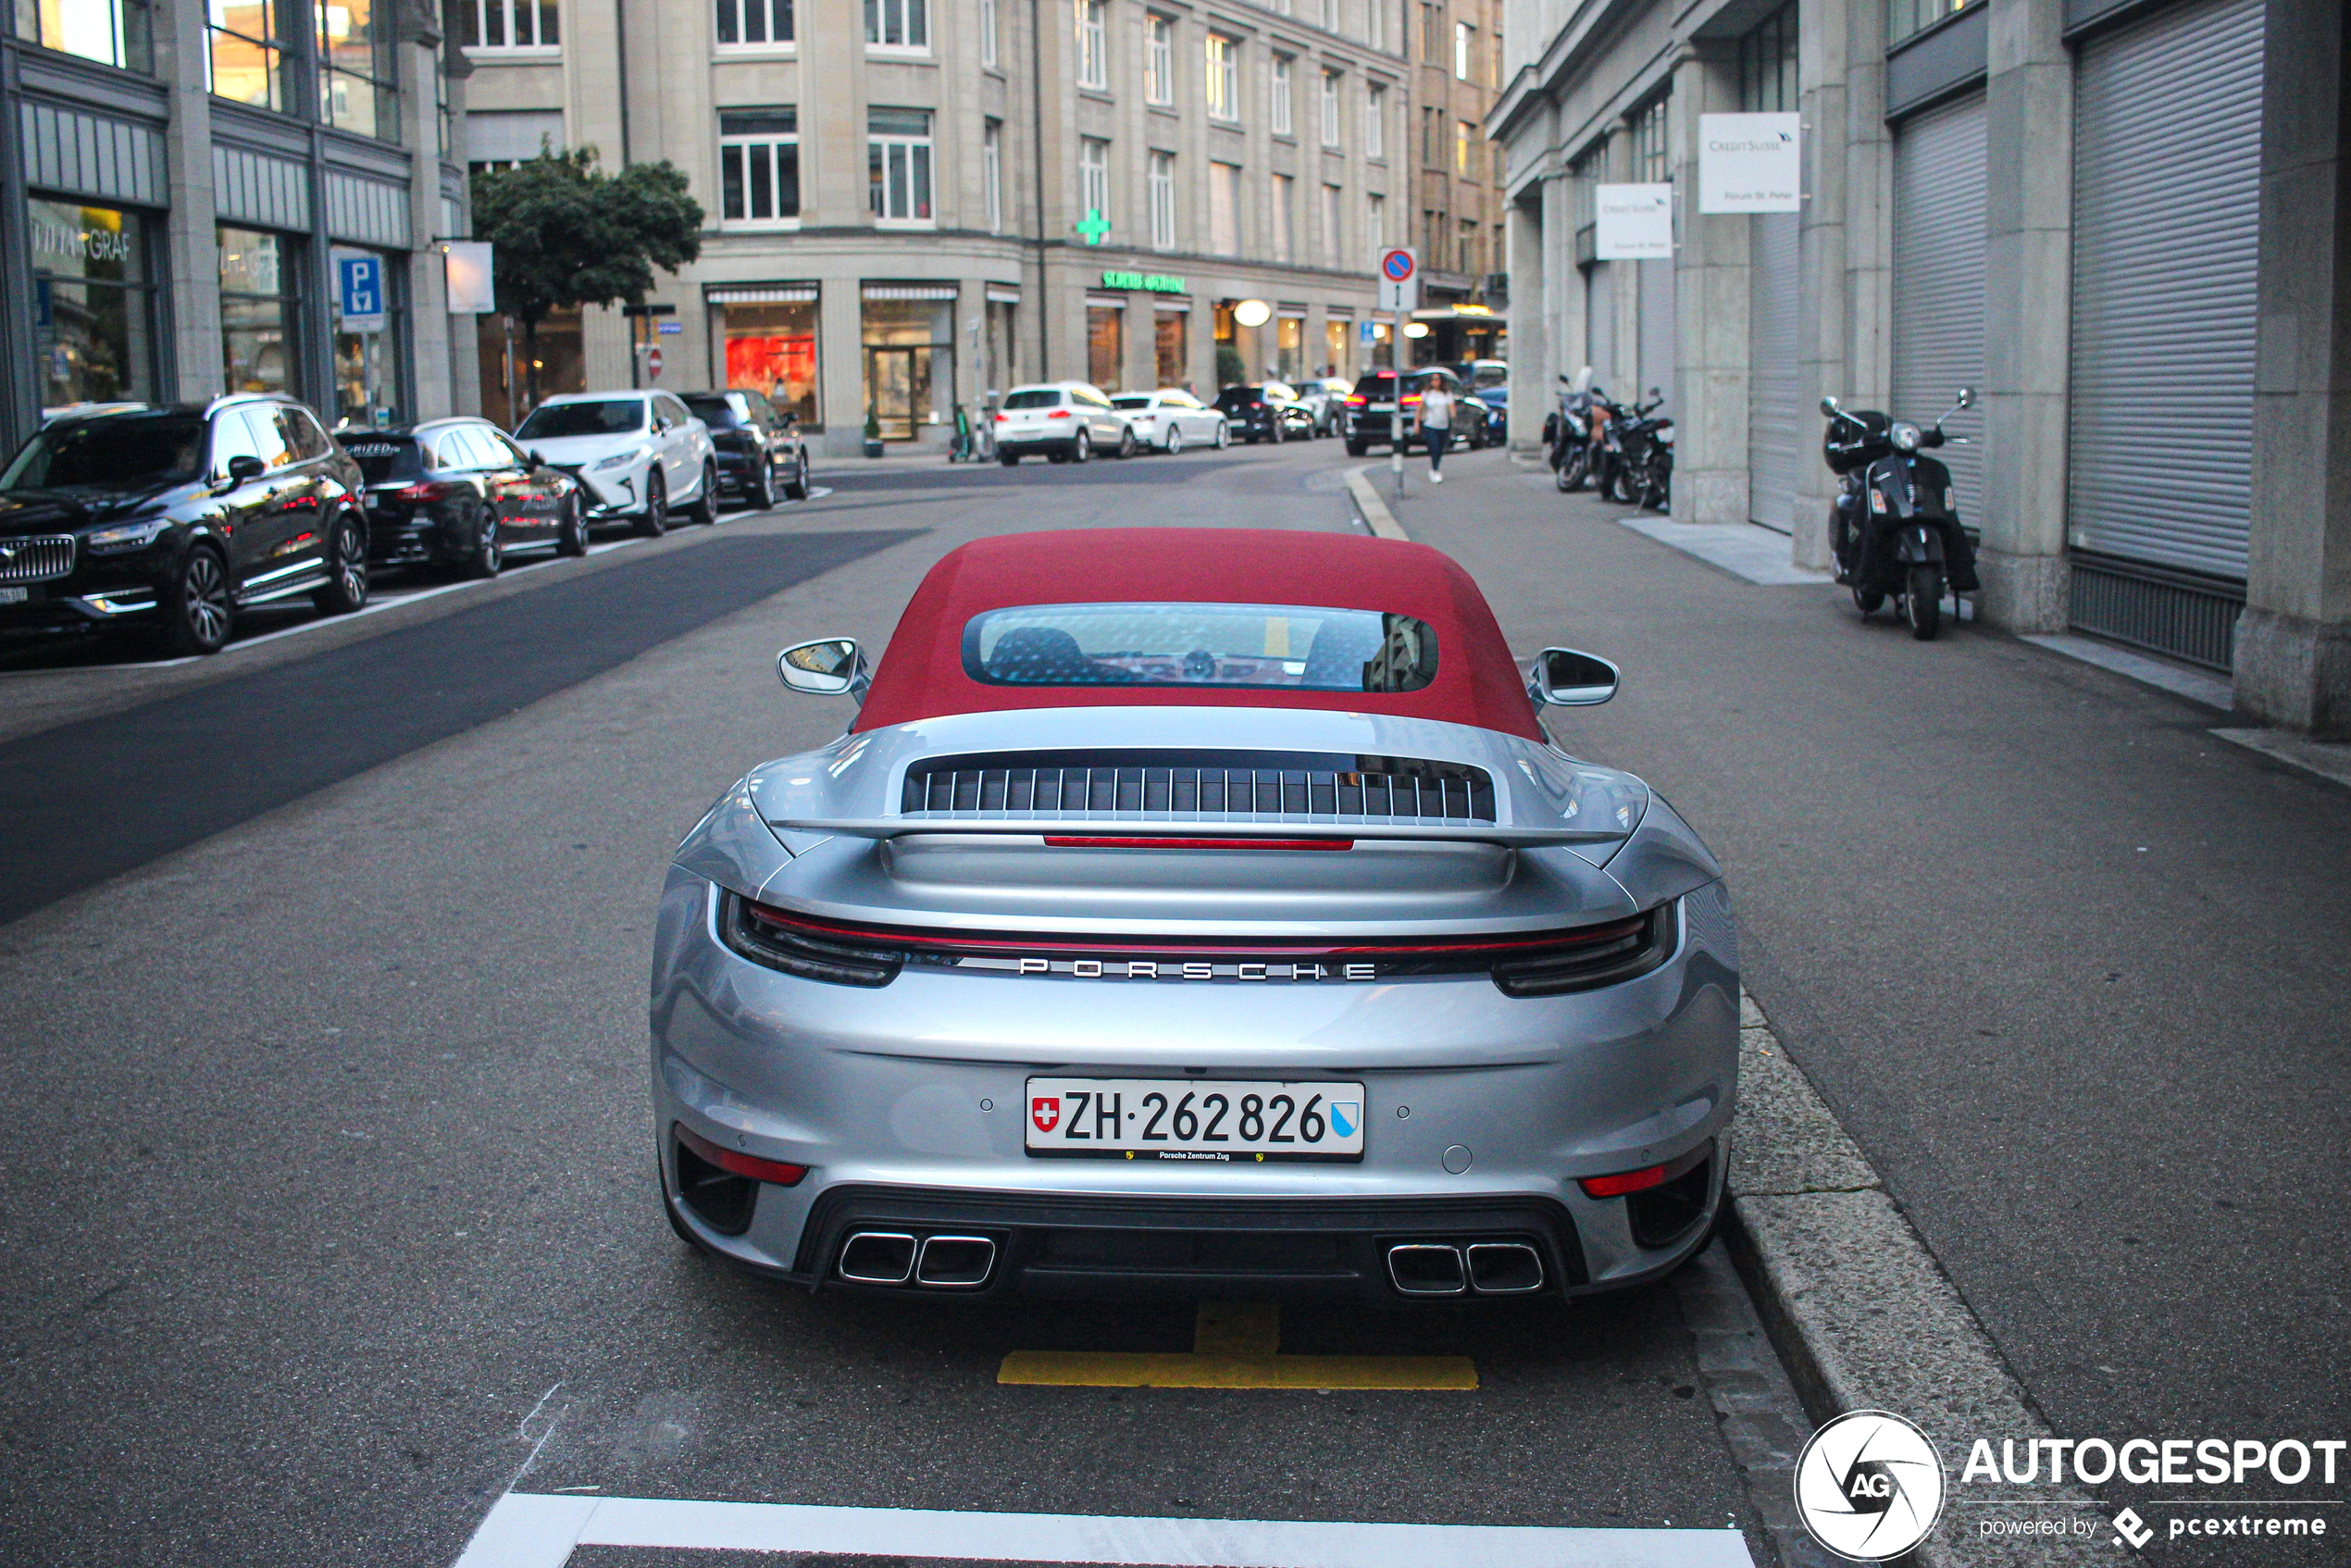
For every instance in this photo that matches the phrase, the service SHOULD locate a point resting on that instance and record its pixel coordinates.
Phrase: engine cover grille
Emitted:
(1211, 786)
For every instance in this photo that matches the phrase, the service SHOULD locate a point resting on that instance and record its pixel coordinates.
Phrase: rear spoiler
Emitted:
(1179, 828)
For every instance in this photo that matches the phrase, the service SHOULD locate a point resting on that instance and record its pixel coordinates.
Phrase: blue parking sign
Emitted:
(360, 281)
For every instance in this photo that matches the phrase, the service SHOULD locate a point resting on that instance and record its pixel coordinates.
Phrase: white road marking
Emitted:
(1742, 549)
(540, 1530)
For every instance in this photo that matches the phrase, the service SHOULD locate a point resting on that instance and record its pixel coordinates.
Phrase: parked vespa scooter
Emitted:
(1638, 467)
(1896, 527)
(1568, 433)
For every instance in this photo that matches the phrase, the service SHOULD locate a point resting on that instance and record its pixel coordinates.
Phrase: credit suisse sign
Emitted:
(1154, 282)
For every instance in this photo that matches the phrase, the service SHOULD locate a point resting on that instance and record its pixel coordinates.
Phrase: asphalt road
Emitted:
(330, 1213)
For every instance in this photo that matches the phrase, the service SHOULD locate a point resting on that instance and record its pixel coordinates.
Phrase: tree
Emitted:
(568, 234)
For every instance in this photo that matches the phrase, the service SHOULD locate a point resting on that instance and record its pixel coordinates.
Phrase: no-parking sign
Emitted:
(1400, 278)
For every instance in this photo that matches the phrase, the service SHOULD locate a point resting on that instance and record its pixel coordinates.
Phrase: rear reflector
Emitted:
(1134, 843)
(1624, 1182)
(738, 1163)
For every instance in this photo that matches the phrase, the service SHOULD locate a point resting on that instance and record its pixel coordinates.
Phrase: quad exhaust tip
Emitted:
(939, 1263)
(1441, 1268)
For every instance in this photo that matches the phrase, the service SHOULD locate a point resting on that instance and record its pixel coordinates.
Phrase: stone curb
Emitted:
(1376, 513)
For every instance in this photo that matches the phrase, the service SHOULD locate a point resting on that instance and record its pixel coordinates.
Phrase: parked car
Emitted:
(638, 455)
(1067, 421)
(460, 493)
(1385, 406)
(760, 450)
(1172, 418)
(1075, 795)
(168, 521)
(1268, 411)
(1487, 416)
(1325, 398)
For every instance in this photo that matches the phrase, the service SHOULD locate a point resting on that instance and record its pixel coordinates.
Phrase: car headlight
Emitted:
(622, 459)
(1905, 436)
(125, 536)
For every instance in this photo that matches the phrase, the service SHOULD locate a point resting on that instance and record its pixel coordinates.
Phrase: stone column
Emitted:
(192, 251)
(1712, 327)
(429, 395)
(1824, 45)
(2294, 639)
(1867, 324)
(1533, 309)
(2027, 314)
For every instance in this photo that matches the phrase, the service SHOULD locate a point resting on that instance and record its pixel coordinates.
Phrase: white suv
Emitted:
(638, 455)
(1068, 421)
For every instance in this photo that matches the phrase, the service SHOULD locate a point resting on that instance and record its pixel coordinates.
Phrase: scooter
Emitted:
(1637, 464)
(1895, 530)
(1570, 434)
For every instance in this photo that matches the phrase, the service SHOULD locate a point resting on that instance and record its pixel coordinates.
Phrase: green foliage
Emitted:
(568, 234)
(1230, 371)
(873, 424)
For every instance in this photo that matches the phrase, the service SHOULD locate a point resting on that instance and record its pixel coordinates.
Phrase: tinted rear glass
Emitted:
(1130, 403)
(385, 458)
(613, 417)
(715, 412)
(123, 451)
(1282, 646)
(1237, 397)
(1048, 397)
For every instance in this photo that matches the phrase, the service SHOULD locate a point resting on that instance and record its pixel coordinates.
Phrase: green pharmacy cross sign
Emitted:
(1094, 228)
(1153, 283)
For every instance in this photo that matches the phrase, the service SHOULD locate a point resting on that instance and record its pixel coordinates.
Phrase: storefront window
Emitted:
(910, 359)
(247, 60)
(113, 32)
(1289, 348)
(771, 347)
(368, 344)
(258, 312)
(92, 305)
(1169, 356)
(1338, 348)
(356, 67)
(1004, 316)
(1106, 345)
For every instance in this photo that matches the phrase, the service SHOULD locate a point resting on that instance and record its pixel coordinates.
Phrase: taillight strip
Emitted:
(1115, 842)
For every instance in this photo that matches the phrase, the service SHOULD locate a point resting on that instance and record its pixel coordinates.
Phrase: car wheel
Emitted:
(1224, 435)
(1175, 439)
(346, 587)
(1356, 448)
(197, 612)
(1009, 459)
(1082, 448)
(571, 535)
(765, 496)
(706, 507)
(796, 487)
(489, 556)
(655, 522)
(1922, 604)
(1127, 441)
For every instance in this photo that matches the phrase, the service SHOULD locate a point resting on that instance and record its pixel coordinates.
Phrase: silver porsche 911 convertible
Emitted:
(1191, 912)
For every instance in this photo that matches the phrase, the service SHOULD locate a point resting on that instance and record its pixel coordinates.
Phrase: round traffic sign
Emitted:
(653, 360)
(1397, 265)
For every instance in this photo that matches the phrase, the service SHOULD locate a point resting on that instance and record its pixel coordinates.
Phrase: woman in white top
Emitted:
(1436, 424)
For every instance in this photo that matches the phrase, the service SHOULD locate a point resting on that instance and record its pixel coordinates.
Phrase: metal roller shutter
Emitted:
(2167, 158)
(1938, 280)
(1599, 325)
(1778, 420)
(1656, 329)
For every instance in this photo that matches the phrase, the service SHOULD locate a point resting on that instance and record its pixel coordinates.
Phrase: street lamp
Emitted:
(1252, 313)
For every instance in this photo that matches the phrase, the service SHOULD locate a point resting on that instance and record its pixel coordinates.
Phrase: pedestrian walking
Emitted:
(1437, 426)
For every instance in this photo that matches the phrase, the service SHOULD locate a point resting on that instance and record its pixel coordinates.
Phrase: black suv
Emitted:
(760, 451)
(458, 493)
(1270, 412)
(169, 521)
(1376, 415)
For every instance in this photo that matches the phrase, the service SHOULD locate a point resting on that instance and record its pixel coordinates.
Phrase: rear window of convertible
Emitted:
(1290, 646)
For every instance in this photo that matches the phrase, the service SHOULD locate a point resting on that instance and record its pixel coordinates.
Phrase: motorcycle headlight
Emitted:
(1877, 501)
(622, 459)
(125, 536)
(1905, 436)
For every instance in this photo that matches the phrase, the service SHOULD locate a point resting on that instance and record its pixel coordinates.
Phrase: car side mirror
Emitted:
(245, 466)
(1829, 406)
(538, 458)
(827, 667)
(1565, 677)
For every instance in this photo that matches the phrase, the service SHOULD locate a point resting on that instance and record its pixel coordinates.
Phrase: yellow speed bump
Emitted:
(1234, 1345)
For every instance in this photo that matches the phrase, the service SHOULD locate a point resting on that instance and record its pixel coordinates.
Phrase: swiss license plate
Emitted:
(15, 595)
(1196, 1121)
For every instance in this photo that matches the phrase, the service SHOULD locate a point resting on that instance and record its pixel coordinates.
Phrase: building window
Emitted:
(1650, 164)
(1279, 101)
(1907, 18)
(992, 172)
(1431, 31)
(1159, 60)
(897, 162)
(1169, 351)
(356, 68)
(1163, 201)
(113, 32)
(366, 348)
(1375, 224)
(1093, 46)
(1430, 117)
(1330, 108)
(246, 59)
(1330, 15)
(1376, 34)
(771, 347)
(758, 167)
(259, 311)
(1767, 65)
(1432, 239)
(505, 24)
(94, 304)
(987, 34)
(1224, 78)
(898, 24)
(1106, 345)
(1473, 247)
(1225, 209)
(1284, 216)
(1465, 50)
(754, 23)
(1375, 122)
(1331, 241)
(1093, 178)
(1464, 137)
(910, 359)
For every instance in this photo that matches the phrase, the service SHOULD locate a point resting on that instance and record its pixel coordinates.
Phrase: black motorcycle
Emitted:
(1896, 527)
(1636, 462)
(1568, 432)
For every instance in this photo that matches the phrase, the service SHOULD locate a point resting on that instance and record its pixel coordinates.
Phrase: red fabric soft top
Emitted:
(922, 675)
